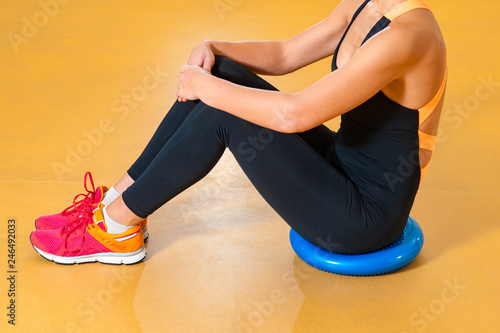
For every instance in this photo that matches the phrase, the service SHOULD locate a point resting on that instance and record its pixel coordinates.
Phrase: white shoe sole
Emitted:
(105, 258)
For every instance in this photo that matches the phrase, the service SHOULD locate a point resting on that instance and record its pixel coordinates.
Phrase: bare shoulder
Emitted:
(352, 4)
(347, 8)
(419, 33)
(412, 43)
(419, 52)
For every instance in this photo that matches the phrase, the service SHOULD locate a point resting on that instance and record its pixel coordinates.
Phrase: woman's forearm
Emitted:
(262, 57)
(270, 109)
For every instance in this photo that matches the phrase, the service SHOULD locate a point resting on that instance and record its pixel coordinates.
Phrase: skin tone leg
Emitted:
(117, 210)
(120, 213)
(123, 183)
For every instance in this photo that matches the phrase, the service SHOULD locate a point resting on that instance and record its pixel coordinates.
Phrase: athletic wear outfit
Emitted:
(337, 190)
(346, 192)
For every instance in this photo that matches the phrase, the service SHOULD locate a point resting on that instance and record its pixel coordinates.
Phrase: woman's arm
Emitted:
(280, 57)
(376, 64)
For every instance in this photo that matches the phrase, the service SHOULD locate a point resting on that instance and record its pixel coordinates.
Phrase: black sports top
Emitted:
(378, 143)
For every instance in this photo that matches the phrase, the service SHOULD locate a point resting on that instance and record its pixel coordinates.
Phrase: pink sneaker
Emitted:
(56, 221)
(85, 240)
(93, 197)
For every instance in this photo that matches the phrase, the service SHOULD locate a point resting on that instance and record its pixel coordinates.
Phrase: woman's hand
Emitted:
(202, 56)
(189, 86)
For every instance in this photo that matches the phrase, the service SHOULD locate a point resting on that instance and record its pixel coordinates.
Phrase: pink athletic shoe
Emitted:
(56, 221)
(93, 197)
(85, 240)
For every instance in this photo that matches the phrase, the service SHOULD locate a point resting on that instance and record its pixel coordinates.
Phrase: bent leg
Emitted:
(313, 197)
(167, 128)
(223, 68)
(289, 170)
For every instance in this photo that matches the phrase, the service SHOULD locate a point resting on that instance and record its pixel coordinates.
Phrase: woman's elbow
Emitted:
(291, 120)
(287, 127)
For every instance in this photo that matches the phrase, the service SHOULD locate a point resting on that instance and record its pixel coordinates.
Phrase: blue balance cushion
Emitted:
(395, 256)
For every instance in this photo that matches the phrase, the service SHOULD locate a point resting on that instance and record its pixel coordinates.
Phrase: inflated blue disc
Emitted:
(395, 256)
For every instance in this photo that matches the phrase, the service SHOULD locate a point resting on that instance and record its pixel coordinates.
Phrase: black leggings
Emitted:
(291, 171)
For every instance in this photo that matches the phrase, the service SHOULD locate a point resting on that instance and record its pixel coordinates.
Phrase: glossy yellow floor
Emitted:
(74, 98)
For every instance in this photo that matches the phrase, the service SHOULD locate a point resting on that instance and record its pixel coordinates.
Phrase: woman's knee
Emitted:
(226, 69)
(230, 70)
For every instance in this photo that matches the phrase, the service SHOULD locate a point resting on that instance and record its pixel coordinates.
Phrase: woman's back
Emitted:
(394, 130)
